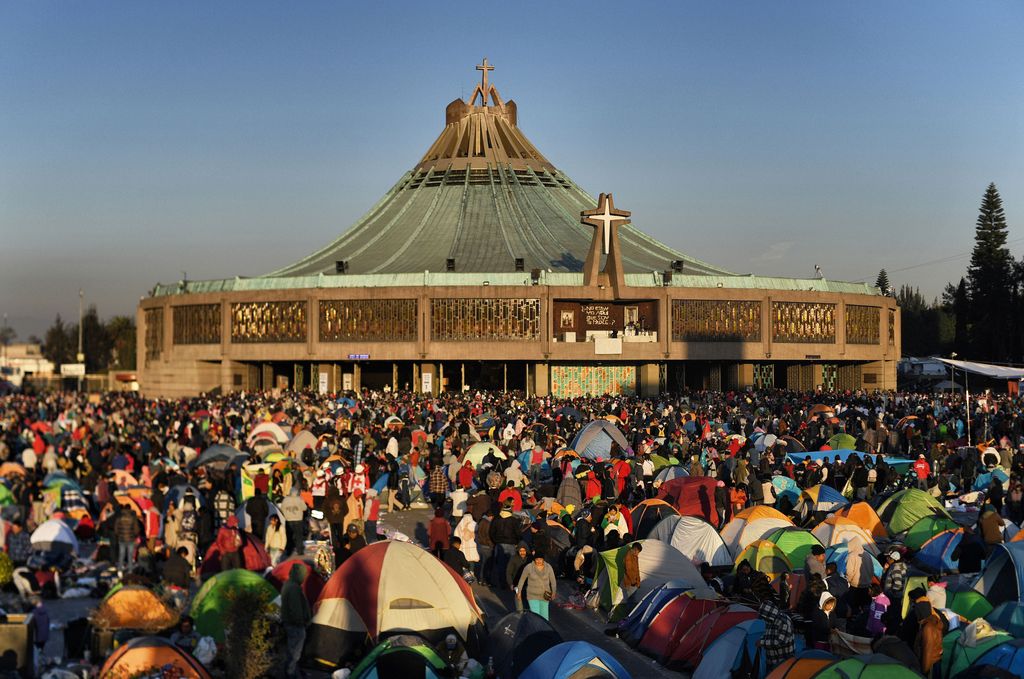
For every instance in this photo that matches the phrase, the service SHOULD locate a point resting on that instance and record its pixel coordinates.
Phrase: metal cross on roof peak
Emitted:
(604, 217)
(484, 88)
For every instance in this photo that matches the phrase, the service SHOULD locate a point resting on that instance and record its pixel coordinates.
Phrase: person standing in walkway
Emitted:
(295, 617)
(538, 582)
(126, 529)
(631, 568)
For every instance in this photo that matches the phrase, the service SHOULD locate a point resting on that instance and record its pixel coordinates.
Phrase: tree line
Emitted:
(981, 315)
(108, 345)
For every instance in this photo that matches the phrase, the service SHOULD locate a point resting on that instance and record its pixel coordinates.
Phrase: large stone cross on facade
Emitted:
(606, 221)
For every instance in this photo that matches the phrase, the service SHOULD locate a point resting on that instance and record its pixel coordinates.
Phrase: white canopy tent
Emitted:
(999, 372)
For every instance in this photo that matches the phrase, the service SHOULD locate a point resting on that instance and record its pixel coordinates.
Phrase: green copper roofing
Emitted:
(555, 279)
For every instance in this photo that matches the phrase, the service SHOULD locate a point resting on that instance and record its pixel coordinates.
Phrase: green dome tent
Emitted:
(925, 529)
(957, 657)
(795, 543)
(211, 601)
(903, 509)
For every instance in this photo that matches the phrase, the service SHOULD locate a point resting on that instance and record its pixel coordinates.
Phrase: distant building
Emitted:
(487, 267)
(21, 360)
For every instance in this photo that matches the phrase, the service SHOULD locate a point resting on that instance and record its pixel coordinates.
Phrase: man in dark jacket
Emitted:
(505, 536)
(176, 570)
(295, 617)
(126, 529)
(258, 510)
(455, 559)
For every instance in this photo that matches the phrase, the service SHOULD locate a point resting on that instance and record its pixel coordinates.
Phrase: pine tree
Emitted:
(989, 280)
(882, 282)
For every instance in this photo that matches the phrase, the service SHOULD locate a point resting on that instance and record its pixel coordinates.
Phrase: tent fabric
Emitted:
(478, 451)
(691, 496)
(1003, 575)
(786, 487)
(802, 666)
(957, 657)
(821, 498)
(136, 608)
(903, 509)
(695, 538)
(969, 604)
(837, 529)
(649, 514)
(767, 557)
(675, 618)
(1008, 656)
(144, 654)
(571, 659)
(839, 553)
(939, 553)
(304, 439)
(689, 652)
(212, 599)
(387, 587)
(1009, 617)
(518, 639)
(659, 563)
(311, 586)
(402, 656)
(595, 440)
(669, 472)
(865, 516)
(998, 372)
(635, 624)
(924, 530)
(735, 649)
(868, 666)
(54, 535)
(795, 543)
(754, 523)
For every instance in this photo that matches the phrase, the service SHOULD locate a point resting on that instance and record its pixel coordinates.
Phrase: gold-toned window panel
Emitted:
(707, 320)
(862, 324)
(254, 322)
(369, 320)
(892, 327)
(197, 324)
(154, 319)
(458, 319)
(803, 322)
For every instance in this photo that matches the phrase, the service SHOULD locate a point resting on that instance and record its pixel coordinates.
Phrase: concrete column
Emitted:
(648, 379)
(745, 375)
(357, 377)
(817, 375)
(441, 386)
(541, 379)
(394, 377)
(430, 369)
(266, 376)
(462, 378)
(227, 376)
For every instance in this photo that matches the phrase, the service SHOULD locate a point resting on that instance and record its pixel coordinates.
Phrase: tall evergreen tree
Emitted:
(989, 281)
(882, 282)
(58, 345)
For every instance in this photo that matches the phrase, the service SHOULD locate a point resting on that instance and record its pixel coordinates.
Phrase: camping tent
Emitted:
(406, 655)
(571, 659)
(837, 529)
(692, 496)
(939, 554)
(134, 607)
(865, 516)
(649, 514)
(925, 529)
(838, 554)
(795, 543)
(957, 656)
(820, 498)
(478, 451)
(635, 624)
(903, 509)
(669, 472)
(211, 601)
(766, 557)
(802, 666)
(1007, 656)
(754, 523)
(1008, 616)
(54, 536)
(1002, 579)
(517, 640)
(595, 440)
(696, 640)
(673, 620)
(869, 666)
(968, 603)
(311, 586)
(389, 587)
(659, 563)
(736, 649)
(695, 538)
(304, 439)
(143, 654)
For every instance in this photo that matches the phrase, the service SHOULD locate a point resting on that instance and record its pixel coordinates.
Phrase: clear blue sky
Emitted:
(141, 139)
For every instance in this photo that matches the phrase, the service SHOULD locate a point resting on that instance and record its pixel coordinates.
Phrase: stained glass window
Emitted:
(154, 319)
(197, 324)
(253, 322)
(803, 322)
(374, 320)
(702, 320)
(862, 324)
(461, 319)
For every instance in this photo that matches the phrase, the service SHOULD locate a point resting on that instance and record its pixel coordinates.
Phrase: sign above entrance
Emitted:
(358, 357)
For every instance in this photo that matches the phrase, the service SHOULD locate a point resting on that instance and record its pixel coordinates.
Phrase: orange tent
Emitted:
(865, 516)
(11, 469)
(134, 607)
(151, 653)
(800, 668)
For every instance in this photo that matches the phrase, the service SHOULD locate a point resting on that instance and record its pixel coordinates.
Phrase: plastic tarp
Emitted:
(998, 372)
(1003, 575)
(575, 659)
(659, 563)
(695, 538)
(595, 440)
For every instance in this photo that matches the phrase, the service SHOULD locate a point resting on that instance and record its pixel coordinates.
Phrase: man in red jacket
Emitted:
(923, 470)
(229, 544)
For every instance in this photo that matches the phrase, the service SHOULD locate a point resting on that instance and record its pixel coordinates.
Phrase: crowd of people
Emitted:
(171, 491)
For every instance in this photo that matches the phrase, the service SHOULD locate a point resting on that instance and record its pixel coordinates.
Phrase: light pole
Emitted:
(81, 355)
